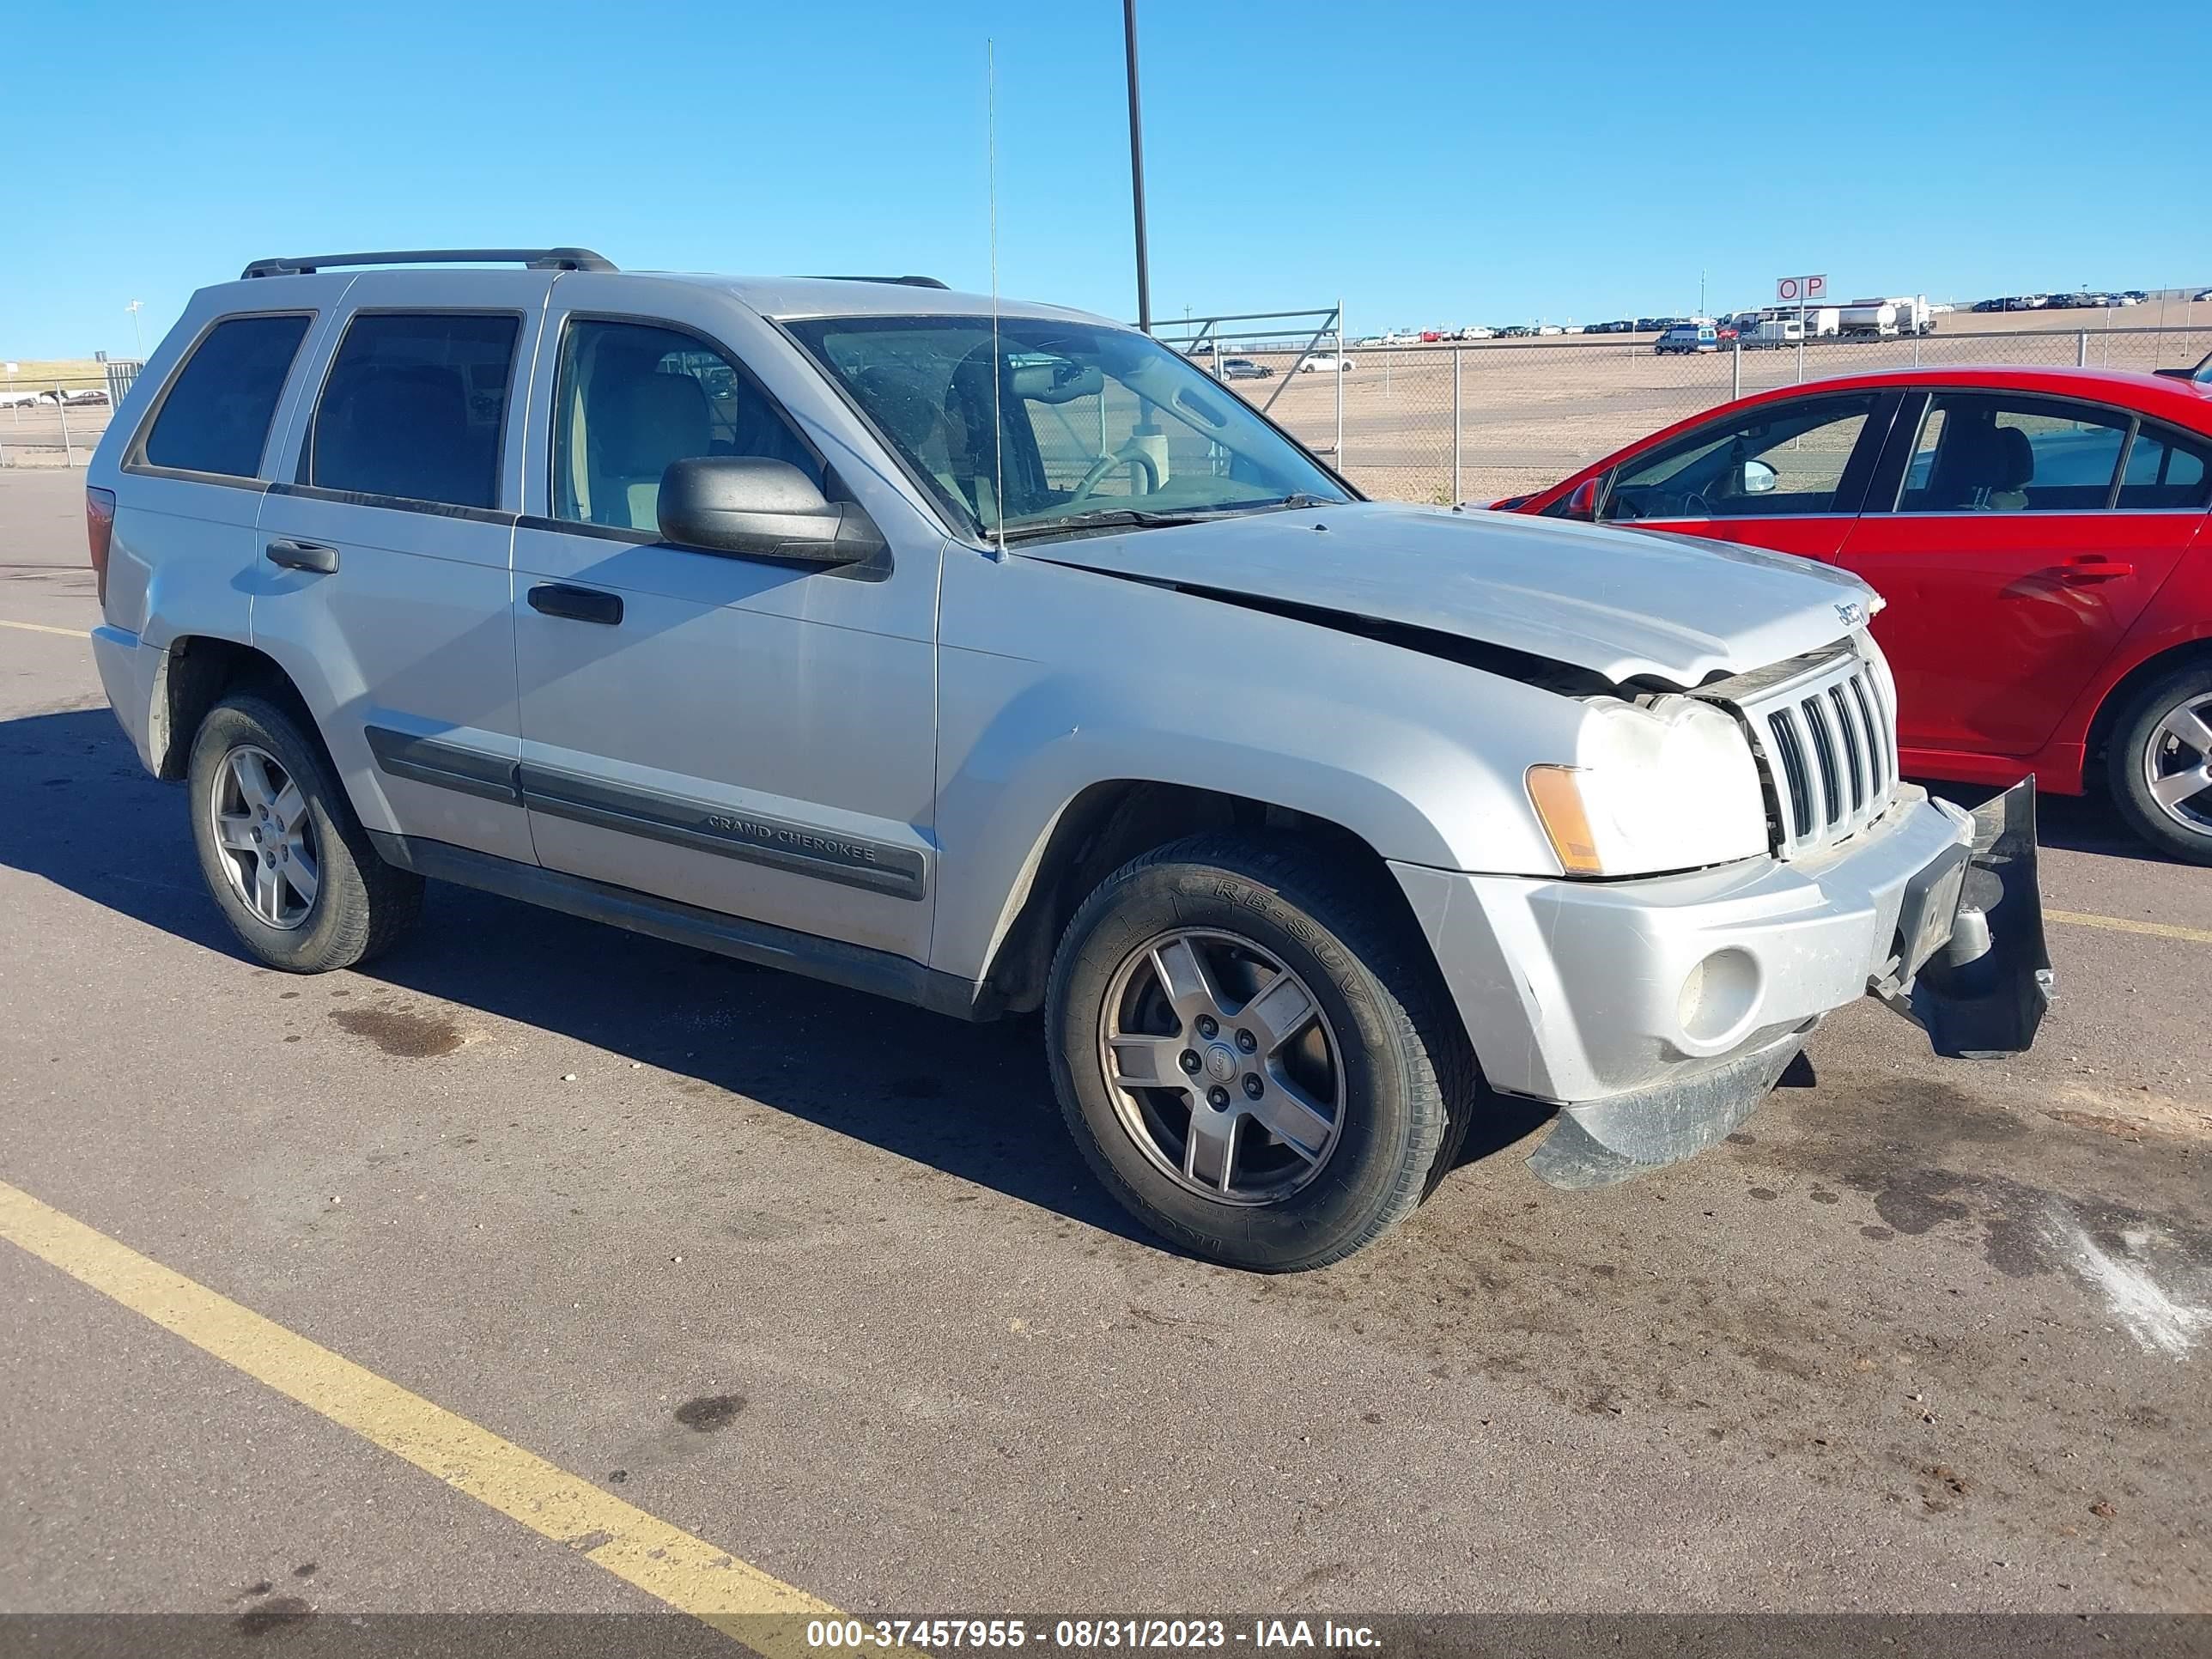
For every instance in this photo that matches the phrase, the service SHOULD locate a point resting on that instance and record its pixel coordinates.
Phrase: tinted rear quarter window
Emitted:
(217, 414)
(2166, 469)
(414, 407)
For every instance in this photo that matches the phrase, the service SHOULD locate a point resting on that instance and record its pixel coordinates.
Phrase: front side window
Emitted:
(1785, 461)
(414, 407)
(1996, 452)
(1046, 425)
(217, 416)
(2166, 469)
(630, 398)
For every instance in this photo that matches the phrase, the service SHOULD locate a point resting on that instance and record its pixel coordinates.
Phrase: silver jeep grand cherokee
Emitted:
(995, 659)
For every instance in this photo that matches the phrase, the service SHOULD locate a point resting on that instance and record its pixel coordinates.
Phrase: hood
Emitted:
(1623, 604)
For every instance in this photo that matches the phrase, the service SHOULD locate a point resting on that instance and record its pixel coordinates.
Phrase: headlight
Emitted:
(1670, 787)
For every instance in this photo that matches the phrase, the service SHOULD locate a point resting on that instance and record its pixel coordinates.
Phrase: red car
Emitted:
(2039, 536)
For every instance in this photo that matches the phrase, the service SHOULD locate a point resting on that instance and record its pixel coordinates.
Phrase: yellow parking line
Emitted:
(688, 1573)
(2122, 925)
(40, 628)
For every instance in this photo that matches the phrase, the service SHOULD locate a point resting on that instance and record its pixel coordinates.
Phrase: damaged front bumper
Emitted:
(1658, 1013)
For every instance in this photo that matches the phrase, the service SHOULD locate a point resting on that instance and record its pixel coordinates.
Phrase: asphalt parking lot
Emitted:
(819, 1280)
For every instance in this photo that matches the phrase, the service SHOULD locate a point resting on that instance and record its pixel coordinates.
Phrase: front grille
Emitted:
(1826, 739)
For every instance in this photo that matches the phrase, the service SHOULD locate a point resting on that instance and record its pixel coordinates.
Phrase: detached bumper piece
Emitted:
(1602, 1142)
(1982, 991)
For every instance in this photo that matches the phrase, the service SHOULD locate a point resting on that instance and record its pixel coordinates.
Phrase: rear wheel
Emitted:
(289, 864)
(1251, 1053)
(2160, 764)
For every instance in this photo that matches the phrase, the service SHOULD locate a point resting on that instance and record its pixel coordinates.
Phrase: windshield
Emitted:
(1096, 425)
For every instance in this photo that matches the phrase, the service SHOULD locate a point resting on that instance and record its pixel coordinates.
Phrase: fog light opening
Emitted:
(1719, 997)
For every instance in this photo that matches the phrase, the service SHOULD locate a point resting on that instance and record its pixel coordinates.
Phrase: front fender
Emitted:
(1421, 758)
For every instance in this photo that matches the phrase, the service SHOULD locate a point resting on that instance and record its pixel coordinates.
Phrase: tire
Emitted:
(1403, 1076)
(360, 905)
(2144, 744)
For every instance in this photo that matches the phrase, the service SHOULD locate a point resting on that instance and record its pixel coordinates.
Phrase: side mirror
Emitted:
(760, 508)
(1758, 479)
(1582, 504)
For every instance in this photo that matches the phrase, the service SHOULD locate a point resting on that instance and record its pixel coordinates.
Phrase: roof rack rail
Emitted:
(537, 259)
(902, 282)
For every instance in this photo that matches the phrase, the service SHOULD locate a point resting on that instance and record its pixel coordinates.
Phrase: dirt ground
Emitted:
(1531, 411)
(1534, 410)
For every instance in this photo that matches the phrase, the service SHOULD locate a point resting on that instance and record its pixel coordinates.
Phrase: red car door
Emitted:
(1786, 474)
(2009, 572)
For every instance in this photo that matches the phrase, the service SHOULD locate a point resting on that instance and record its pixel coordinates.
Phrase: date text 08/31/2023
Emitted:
(831, 1635)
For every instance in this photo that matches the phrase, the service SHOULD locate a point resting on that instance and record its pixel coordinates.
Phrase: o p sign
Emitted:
(1801, 291)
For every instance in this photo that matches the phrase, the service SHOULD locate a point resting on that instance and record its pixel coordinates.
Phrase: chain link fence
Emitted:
(57, 419)
(1474, 422)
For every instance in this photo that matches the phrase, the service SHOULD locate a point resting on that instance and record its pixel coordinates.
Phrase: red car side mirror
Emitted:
(1582, 503)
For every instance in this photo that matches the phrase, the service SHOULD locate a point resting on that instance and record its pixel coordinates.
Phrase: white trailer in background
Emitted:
(1914, 315)
(1868, 319)
(1823, 322)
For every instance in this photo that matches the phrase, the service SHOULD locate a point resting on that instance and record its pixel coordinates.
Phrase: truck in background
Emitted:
(1886, 320)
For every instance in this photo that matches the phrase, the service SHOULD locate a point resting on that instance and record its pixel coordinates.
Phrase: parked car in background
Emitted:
(18, 398)
(1683, 337)
(2200, 296)
(1322, 363)
(72, 395)
(2039, 536)
(1243, 369)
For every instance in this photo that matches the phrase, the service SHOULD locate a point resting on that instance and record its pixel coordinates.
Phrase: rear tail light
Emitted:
(99, 531)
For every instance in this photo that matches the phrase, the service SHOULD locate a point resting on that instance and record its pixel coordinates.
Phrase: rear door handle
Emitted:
(303, 556)
(2095, 570)
(590, 604)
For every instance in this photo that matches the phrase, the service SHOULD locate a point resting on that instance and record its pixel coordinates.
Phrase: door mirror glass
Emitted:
(1582, 502)
(760, 508)
(1758, 479)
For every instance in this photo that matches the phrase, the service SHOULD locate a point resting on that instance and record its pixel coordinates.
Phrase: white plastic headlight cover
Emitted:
(1672, 786)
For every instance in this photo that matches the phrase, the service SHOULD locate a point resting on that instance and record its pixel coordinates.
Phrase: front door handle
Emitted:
(2094, 569)
(590, 604)
(302, 556)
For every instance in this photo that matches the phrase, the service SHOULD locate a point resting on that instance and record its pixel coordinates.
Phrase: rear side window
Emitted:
(415, 406)
(1979, 452)
(216, 418)
(2166, 469)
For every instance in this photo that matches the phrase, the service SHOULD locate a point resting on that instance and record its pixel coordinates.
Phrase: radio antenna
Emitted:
(991, 176)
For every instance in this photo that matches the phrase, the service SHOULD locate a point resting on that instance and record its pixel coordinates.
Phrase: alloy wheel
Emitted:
(1224, 1067)
(265, 837)
(2176, 763)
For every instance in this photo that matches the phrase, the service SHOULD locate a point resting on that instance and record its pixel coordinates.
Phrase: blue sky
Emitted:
(1428, 163)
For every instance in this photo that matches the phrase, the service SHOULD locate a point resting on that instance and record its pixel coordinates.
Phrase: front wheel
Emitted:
(2160, 764)
(1254, 1054)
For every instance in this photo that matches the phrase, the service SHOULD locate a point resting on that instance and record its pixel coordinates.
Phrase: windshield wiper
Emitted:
(1111, 517)
(1137, 518)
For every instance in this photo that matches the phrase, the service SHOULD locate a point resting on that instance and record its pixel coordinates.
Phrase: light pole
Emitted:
(1137, 168)
(136, 335)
